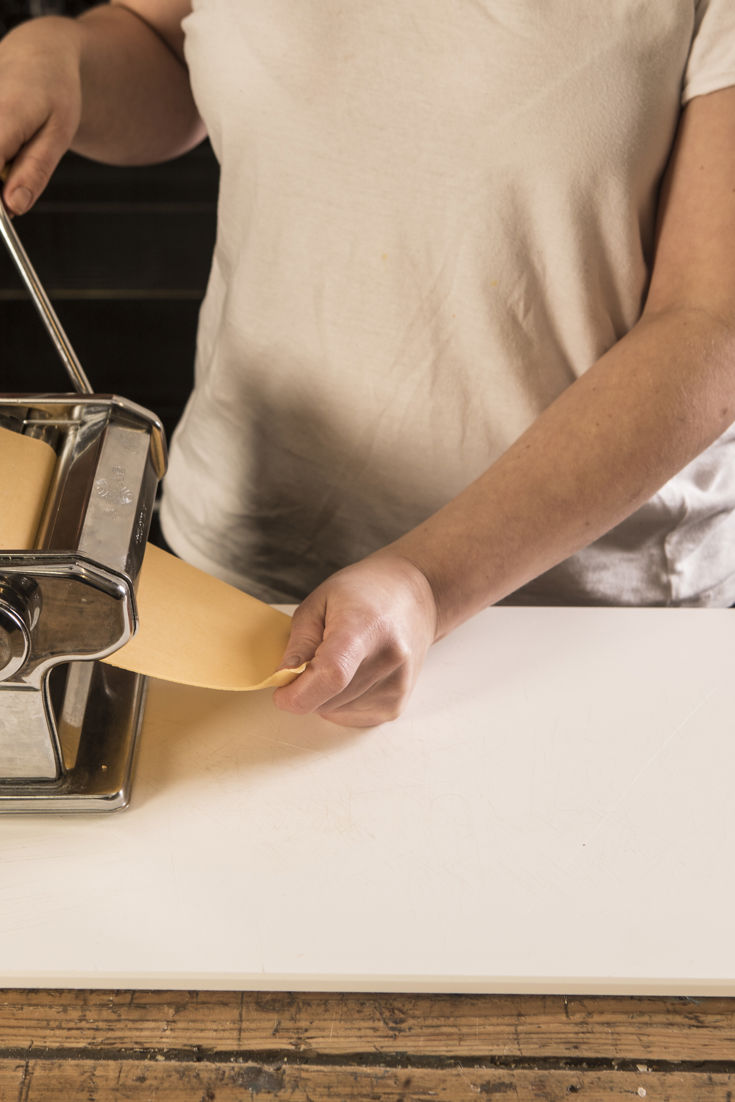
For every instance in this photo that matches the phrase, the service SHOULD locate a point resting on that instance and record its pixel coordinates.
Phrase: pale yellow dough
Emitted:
(193, 628)
(26, 466)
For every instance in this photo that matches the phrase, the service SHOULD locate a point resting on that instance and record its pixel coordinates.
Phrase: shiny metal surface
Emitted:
(88, 611)
(115, 521)
(70, 716)
(29, 748)
(100, 777)
(15, 638)
(41, 302)
(71, 600)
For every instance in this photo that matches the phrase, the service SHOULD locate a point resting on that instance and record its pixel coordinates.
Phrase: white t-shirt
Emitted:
(434, 216)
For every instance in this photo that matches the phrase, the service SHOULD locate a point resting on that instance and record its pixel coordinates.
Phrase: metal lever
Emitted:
(42, 304)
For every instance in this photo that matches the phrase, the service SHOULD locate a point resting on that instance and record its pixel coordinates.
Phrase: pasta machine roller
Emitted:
(68, 723)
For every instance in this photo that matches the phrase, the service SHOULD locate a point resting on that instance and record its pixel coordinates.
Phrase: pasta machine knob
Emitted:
(17, 616)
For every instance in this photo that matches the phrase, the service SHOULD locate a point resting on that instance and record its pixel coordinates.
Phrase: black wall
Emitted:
(13, 12)
(124, 256)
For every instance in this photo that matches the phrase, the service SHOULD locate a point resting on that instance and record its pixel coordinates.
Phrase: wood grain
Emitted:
(166, 1046)
(461, 1026)
(49, 1081)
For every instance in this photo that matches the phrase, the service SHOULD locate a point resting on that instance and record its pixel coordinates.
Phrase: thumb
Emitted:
(307, 631)
(28, 173)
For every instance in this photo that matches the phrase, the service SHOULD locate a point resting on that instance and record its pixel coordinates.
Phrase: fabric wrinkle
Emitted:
(432, 220)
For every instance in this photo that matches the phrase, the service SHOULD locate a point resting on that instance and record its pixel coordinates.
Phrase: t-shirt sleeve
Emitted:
(711, 63)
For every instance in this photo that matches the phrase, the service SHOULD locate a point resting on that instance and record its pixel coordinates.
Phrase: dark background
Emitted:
(124, 256)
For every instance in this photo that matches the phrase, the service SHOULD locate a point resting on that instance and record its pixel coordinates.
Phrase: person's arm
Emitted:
(111, 84)
(653, 402)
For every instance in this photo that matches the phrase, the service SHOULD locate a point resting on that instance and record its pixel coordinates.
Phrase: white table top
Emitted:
(554, 812)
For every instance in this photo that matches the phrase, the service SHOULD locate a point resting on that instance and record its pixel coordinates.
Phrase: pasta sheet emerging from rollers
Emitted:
(193, 628)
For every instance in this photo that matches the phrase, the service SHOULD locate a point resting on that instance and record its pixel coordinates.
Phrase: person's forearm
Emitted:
(606, 445)
(640, 414)
(137, 106)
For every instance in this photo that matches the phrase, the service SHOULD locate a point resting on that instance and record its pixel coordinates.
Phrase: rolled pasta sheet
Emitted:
(193, 628)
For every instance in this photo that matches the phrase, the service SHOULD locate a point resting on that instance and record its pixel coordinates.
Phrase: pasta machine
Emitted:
(69, 723)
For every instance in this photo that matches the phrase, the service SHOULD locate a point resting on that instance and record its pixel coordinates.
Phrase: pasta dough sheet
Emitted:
(193, 628)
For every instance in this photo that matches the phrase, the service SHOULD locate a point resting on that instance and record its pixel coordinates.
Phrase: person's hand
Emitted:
(365, 632)
(40, 105)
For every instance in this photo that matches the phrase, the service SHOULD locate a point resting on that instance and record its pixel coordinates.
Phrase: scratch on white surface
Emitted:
(290, 745)
(653, 757)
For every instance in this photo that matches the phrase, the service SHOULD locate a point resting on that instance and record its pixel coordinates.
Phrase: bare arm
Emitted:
(653, 402)
(137, 103)
(112, 85)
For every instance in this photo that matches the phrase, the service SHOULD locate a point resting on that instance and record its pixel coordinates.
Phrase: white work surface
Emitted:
(554, 812)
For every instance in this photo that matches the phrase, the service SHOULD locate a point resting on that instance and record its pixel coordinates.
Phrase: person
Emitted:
(469, 334)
